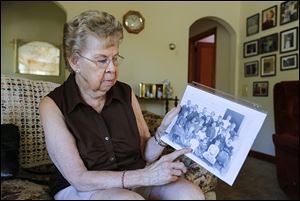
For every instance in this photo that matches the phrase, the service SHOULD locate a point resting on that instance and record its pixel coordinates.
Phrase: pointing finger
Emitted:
(172, 156)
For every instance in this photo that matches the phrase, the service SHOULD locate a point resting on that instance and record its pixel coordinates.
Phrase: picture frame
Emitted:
(289, 12)
(207, 119)
(269, 18)
(37, 58)
(251, 48)
(261, 88)
(269, 43)
(289, 40)
(251, 69)
(147, 90)
(160, 91)
(268, 65)
(252, 26)
(289, 62)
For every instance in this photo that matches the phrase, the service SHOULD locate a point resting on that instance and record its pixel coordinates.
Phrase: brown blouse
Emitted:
(108, 140)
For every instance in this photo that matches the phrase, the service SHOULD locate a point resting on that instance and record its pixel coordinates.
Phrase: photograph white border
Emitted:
(248, 122)
(268, 65)
(286, 59)
(289, 40)
(254, 50)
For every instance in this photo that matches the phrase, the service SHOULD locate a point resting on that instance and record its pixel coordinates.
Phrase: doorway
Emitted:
(202, 58)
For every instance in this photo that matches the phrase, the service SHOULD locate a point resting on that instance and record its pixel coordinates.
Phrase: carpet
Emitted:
(257, 180)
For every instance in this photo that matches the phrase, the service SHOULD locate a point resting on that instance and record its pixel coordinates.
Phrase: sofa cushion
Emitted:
(199, 175)
(20, 99)
(9, 150)
(17, 189)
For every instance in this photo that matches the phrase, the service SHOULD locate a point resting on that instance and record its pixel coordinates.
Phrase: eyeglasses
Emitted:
(103, 63)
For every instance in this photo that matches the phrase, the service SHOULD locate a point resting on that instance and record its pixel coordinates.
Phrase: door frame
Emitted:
(192, 70)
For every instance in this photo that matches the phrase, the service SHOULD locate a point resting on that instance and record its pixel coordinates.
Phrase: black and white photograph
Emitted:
(269, 18)
(289, 62)
(251, 48)
(252, 26)
(219, 131)
(289, 40)
(251, 69)
(269, 43)
(289, 12)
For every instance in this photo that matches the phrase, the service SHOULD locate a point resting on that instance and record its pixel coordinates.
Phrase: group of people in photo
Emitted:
(213, 137)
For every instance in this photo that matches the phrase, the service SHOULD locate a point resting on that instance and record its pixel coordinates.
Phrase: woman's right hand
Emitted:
(165, 170)
(169, 117)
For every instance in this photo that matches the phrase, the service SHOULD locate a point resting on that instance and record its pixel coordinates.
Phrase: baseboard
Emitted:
(262, 156)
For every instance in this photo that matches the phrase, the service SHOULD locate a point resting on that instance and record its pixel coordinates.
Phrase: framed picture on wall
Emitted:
(251, 48)
(269, 18)
(252, 26)
(289, 12)
(289, 62)
(289, 40)
(268, 65)
(37, 58)
(269, 43)
(251, 69)
(260, 88)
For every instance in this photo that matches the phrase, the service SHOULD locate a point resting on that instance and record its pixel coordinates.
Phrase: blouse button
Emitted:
(106, 138)
(112, 158)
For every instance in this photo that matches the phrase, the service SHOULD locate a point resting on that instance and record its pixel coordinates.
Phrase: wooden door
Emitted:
(202, 60)
(205, 64)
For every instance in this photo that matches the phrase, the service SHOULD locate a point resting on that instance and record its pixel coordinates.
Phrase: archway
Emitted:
(28, 22)
(225, 50)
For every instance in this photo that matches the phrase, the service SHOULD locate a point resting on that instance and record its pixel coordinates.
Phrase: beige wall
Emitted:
(30, 21)
(148, 58)
(263, 142)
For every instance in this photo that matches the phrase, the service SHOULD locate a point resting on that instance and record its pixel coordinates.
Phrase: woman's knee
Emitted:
(179, 190)
(192, 192)
(116, 194)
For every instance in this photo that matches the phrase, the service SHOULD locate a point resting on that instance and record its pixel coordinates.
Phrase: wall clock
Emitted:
(133, 22)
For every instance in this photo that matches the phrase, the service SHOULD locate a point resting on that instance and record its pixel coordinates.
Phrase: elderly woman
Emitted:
(94, 129)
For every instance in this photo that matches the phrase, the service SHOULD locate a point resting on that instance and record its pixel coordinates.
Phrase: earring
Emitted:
(77, 70)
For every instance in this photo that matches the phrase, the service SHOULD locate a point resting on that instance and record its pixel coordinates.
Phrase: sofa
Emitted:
(19, 106)
(286, 136)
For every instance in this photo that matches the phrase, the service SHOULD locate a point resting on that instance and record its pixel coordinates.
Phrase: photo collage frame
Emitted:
(284, 42)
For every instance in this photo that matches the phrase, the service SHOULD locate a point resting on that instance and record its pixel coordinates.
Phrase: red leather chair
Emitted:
(286, 137)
